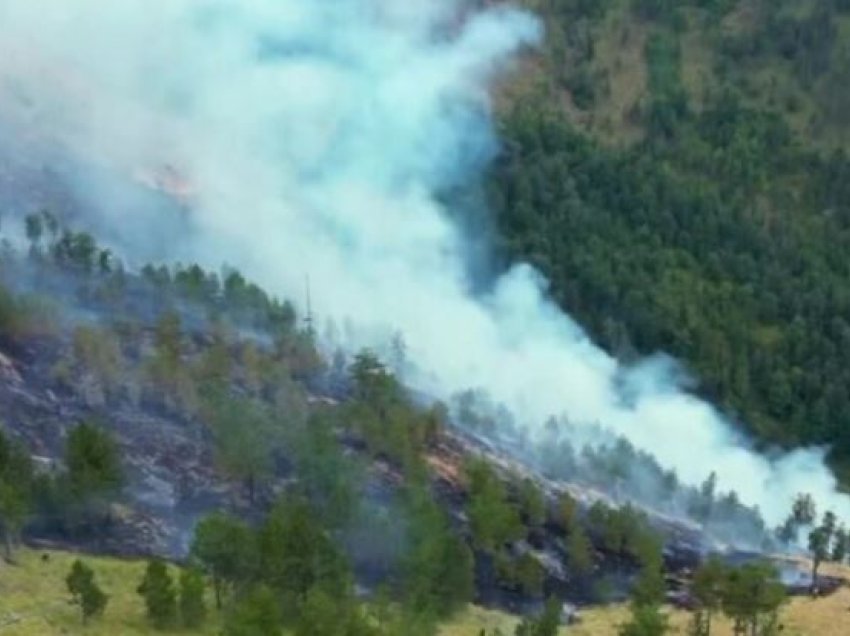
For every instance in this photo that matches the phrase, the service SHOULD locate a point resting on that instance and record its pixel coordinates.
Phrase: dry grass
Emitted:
(828, 616)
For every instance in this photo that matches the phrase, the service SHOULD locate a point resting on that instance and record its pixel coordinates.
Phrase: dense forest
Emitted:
(678, 170)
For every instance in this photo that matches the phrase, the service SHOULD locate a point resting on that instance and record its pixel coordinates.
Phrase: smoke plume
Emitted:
(313, 137)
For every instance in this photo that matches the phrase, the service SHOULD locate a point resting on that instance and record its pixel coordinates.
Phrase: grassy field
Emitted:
(34, 599)
(34, 602)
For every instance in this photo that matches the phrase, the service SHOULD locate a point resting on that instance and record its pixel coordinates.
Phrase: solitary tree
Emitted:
(85, 591)
(157, 590)
(819, 542)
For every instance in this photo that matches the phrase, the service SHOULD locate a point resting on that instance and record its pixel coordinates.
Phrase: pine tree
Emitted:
(648, 593)
(94, 470)
(752, 596)
(157, 589)
(85, 591)
(707, 591)
(819, 539)
(493, 519)
(579, 553)
(16, 480)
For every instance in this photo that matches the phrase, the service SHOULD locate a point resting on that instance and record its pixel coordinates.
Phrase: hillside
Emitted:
(679, 172)
(276, 358)
(156, 413)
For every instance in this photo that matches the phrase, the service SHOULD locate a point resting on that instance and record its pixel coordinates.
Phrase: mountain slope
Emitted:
(677, 170)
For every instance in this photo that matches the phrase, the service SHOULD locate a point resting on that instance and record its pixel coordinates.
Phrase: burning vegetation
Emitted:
(177, 413)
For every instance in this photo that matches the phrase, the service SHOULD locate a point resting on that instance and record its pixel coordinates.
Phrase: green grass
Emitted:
(35, 602)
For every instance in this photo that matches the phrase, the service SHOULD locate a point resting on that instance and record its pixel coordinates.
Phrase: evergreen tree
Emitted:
(245, 440)
(707, 592)
(192, 608)
(532, 503)
(438, 565)
(94, 469)
(819, 543)
(157, 590)
(648, 593)
(649, 588)
(493, 519)
(296, 555)
(804, 511)
(752, 596)
(579, 553)
(566, 512)
(85, 591)
(16, 491)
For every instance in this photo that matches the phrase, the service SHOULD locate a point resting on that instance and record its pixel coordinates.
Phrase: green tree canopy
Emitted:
(16, 485)
(94, 469)
(160, 597)
(255, 613)
(191, 598)
(226, 549)
(85, 591)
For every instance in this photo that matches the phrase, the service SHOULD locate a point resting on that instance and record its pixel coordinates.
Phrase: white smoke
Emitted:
(316, 134)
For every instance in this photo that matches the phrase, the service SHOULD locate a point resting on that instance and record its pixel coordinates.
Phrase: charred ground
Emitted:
(219, 399)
